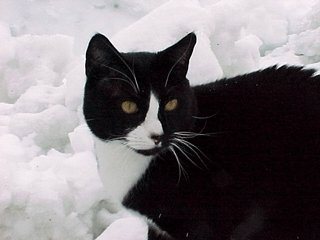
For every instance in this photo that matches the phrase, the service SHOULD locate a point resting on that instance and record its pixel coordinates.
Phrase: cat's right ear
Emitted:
(180, 52)
(100, 54)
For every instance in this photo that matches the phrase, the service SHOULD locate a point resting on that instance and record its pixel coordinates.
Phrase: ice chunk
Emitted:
(75, 81)
(81, 139)
(38, 60)
(302, 49)
(40, 97)
(5, 184)
(281, 56)
(7, 45)
(131, 228)
(6, 108)
(49, 185)
(166, 25)
(81, 170)
(306, 45)
(275, 27)
(51, 126)
(205, 66)
(52, 51)
(247, 55)
(12, 148)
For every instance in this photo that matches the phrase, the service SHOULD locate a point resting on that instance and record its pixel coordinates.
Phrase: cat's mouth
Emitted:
(148, 146)
(150, 152)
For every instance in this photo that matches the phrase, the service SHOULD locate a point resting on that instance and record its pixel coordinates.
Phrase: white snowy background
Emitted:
(49, 185)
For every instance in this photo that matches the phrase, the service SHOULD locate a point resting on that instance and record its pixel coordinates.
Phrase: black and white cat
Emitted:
(237, 159)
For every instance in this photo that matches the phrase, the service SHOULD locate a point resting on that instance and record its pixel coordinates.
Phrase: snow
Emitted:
(135, 229)
(49, 185)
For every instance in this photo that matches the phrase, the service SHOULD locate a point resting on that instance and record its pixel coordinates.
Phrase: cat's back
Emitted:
(267, 131)
(272, 86)
(275, 107)
(260, 139)
(266, 140)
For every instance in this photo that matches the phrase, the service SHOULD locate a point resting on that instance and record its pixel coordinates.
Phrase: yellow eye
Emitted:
(171, 105)
(129, 107)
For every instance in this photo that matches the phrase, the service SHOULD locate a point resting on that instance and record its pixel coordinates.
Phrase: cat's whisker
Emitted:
(119, 138)
(205, 117)
(187, 135)
(115, 139)
(194, 134)
(185, 143)
(194, 149)
(123, 74)
(190, 134)
(136, 89)
(134, 75)
(126, 81)
(94, 119)
(180, 167)
(135, 140)
(179, 59)
(117, 70)
(125, 143)
(124, 62)
(204, 126)
(186, 155)
(137, 143)
(138, 146)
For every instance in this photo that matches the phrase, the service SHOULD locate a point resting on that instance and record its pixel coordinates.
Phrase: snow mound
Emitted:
(49, 185)
(130, 228)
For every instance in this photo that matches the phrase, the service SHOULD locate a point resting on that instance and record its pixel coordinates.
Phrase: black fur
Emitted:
(106, 89)
(258, 176)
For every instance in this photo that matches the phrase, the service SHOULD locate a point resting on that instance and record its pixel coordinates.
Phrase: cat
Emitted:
(237, 158)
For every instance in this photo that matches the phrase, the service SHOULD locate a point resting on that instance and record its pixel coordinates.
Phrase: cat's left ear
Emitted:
(180, 52)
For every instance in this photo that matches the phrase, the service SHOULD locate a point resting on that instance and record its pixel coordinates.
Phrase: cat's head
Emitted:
(142, 99)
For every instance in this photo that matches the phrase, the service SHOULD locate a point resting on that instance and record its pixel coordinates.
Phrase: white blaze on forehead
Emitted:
(140, 137)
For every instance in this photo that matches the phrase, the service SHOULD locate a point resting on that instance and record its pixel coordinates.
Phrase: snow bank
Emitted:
(135, 229)
(49, 185)
(164, 26)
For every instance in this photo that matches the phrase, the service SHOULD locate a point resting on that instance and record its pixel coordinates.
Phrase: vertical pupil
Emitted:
(131, 106)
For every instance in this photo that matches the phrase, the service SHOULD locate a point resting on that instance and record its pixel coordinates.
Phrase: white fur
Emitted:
(120, 167)
(140, 137)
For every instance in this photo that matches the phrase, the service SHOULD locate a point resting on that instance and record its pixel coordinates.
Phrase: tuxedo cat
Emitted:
(236, 159)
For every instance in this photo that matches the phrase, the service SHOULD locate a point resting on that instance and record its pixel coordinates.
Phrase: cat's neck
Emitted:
(119, 167)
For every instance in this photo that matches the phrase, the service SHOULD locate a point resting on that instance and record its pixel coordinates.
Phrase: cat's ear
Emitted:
(100, 54)
(180, 53)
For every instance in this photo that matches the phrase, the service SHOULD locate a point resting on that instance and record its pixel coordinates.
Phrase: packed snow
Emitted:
(49, 185)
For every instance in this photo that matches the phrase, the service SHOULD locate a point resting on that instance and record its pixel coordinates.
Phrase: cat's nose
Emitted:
(156, 138)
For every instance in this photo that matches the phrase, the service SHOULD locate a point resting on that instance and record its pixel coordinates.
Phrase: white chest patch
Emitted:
(120, 167)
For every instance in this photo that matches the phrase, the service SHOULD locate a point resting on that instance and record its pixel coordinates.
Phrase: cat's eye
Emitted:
(171, 105)
(129, 107)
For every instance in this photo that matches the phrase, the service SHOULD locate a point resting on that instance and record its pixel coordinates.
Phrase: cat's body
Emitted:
(250, 166)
